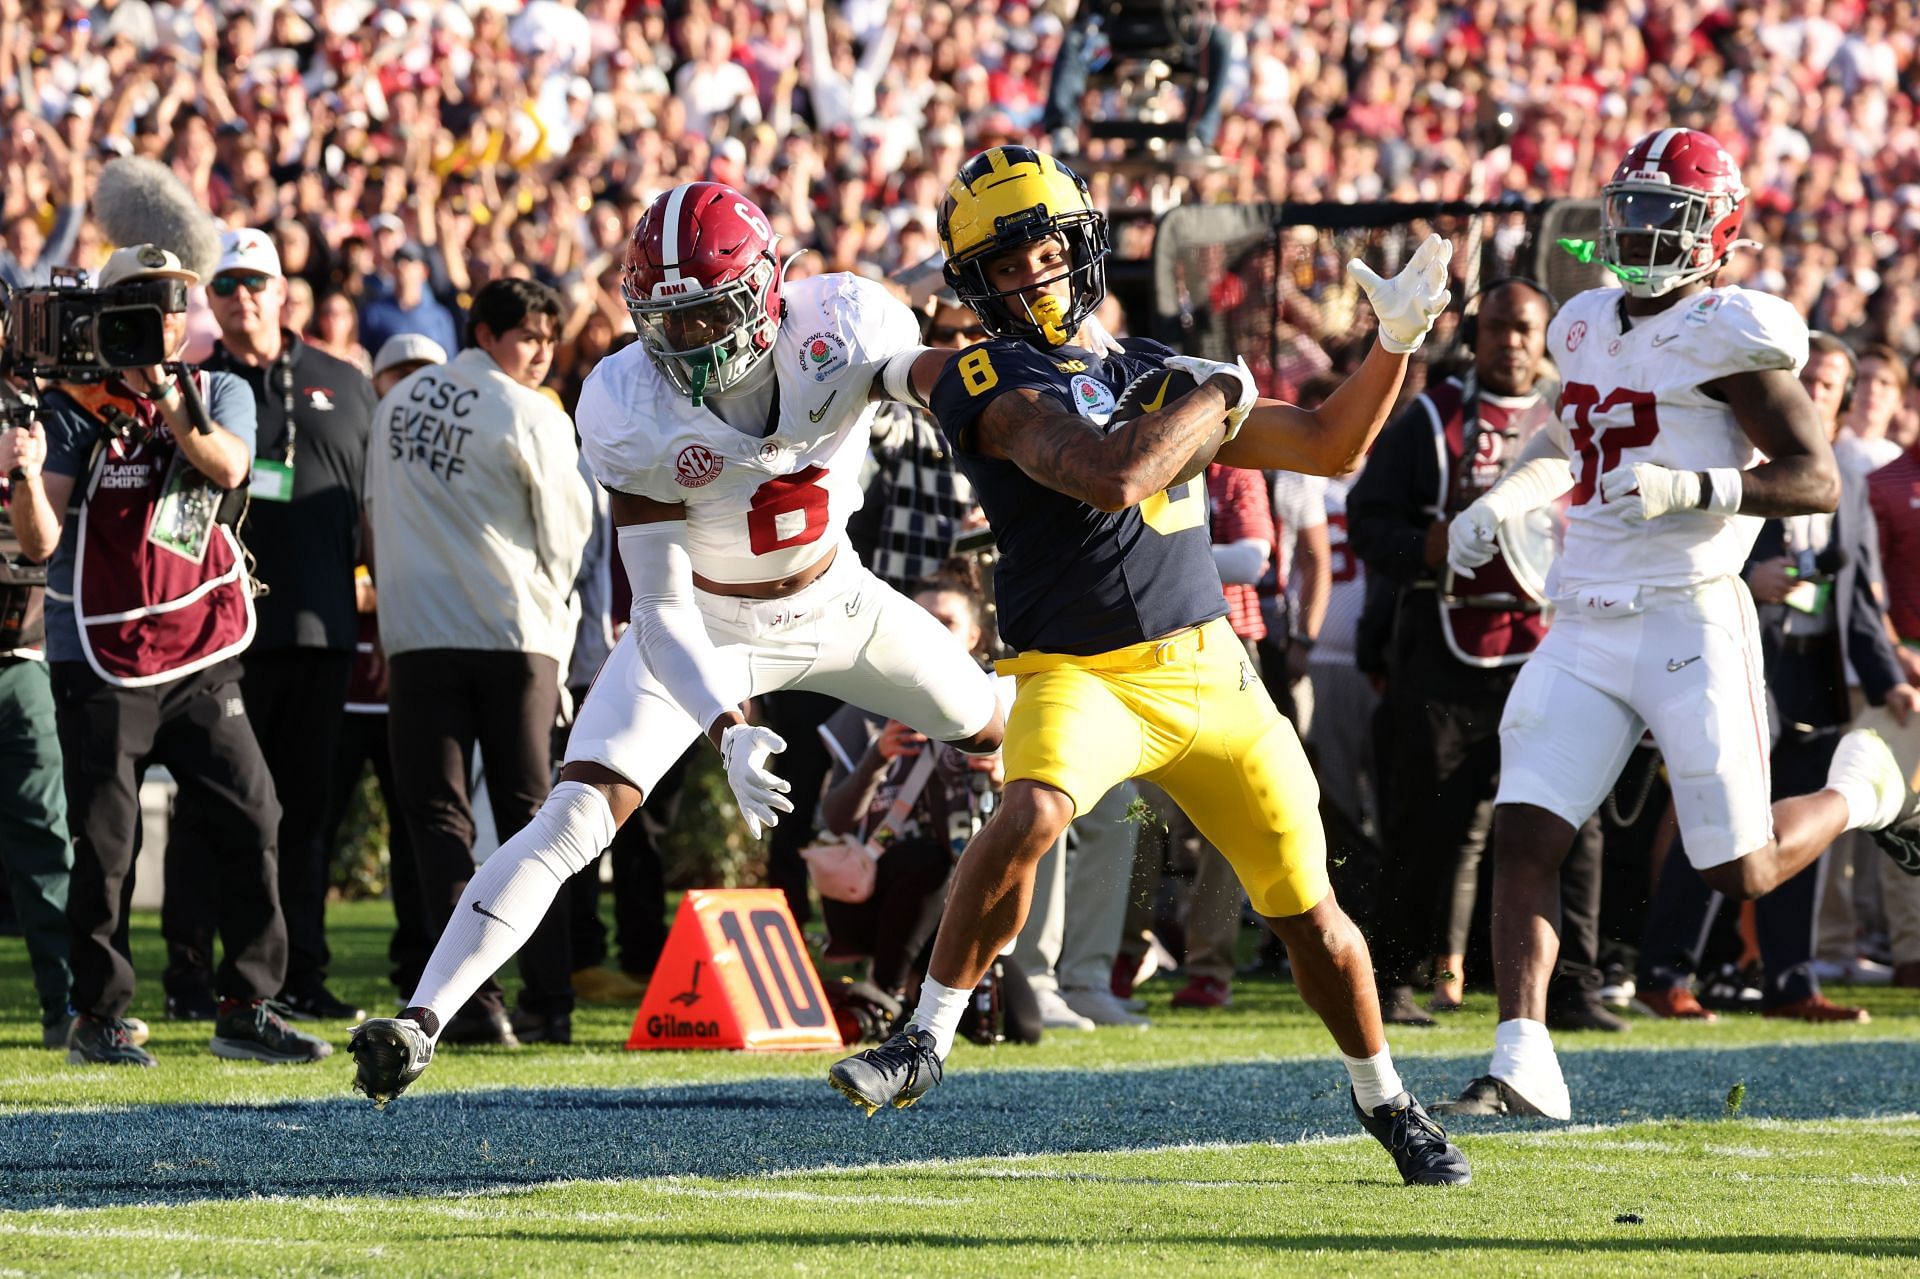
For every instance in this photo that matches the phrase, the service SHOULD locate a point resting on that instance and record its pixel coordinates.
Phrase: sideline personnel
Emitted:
(480, 516)
(148, 605)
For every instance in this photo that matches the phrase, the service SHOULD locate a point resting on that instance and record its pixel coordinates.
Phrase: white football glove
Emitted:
(1645, 491)
(1407, 304)
(745, 748)
(1200, 370)
(1472, 538)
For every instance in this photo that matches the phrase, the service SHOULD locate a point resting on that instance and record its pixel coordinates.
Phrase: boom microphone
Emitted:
(140, 201)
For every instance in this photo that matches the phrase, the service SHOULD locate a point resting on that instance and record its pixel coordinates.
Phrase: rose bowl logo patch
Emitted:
(696, 466)
(1091, 398)
(822, 356)
(1703, 310)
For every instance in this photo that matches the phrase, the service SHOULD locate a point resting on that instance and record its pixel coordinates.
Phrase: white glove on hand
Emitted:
(744, 749)
(1408, 303)
(1200, 370)
(1645, 491)
(1472, 538)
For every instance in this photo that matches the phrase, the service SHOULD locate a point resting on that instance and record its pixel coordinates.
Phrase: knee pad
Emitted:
(572, 828)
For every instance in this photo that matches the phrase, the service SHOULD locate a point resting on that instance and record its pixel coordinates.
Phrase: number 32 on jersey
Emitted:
(1171, 511)
(1597, 447)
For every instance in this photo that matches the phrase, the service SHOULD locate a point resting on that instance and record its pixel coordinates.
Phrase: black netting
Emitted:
(1269, 282)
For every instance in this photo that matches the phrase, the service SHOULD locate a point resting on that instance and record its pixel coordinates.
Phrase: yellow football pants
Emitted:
(1191, 715)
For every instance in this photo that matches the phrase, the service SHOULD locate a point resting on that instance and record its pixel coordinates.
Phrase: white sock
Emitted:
(1375, 1081)
(508, 897)
(938, 1013)
(1523, 1057)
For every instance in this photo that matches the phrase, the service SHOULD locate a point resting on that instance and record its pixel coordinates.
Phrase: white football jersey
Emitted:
(1636, 397)
(759, 508)
(1347, 599)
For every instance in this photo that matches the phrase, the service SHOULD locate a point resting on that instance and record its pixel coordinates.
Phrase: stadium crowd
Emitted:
(430, 179)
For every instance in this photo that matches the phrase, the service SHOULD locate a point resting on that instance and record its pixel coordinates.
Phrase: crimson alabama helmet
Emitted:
(1671, 214)
(703, 285)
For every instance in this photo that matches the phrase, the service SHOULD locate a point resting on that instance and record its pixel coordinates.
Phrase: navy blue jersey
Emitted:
(1072, 579)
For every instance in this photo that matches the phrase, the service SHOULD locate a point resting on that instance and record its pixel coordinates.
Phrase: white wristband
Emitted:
(896, 375)
(1727, 490)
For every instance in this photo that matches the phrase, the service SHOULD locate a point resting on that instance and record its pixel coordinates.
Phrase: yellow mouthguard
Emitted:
(1050, 315)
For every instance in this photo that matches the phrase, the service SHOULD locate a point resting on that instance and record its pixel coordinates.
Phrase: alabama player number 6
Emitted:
(1599, 447)
(790, 510)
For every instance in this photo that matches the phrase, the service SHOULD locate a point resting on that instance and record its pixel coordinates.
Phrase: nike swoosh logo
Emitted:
(1665, 338)
(489, 914)
(1674, 664)
(1159, 397)
(814, 415)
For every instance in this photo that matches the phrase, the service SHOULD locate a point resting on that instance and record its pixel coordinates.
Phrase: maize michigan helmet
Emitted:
(1007, 197)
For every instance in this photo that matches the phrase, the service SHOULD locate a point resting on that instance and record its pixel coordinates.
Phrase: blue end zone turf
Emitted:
(442, 1143)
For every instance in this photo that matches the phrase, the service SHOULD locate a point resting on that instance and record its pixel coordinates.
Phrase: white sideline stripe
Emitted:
(999, 1161)
(665, 1188)
(141, 1232)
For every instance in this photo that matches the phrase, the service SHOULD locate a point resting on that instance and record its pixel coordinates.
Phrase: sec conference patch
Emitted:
(697, 466)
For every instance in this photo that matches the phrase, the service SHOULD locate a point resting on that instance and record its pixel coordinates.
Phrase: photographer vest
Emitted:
(1496, 617)
(160, 586)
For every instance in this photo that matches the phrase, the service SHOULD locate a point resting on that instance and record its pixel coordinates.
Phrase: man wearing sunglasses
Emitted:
(314, 413)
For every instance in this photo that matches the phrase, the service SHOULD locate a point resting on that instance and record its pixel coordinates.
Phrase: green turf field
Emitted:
(1213, 1143)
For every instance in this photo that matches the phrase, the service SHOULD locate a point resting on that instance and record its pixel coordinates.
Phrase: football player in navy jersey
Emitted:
(1107, 588)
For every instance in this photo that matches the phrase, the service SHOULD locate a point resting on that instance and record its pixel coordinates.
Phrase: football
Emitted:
(1156, 389)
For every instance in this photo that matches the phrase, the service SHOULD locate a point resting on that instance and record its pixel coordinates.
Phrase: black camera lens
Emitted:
(131, 337)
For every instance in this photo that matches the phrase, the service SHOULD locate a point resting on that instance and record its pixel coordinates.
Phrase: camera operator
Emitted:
(303, 526)
(33, 806)
(148, 605)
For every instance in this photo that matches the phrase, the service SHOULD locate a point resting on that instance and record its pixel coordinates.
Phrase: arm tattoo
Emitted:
(1111, 471)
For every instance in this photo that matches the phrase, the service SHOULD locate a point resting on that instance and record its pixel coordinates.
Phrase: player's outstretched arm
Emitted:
(1110, 472)
(1799, 477)
(1328, 440)
(908, 376)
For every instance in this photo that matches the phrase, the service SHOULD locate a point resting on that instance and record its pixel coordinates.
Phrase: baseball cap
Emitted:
(388, 222)
(411, 251)
(246, 249)
(143, 262)
(408, 348)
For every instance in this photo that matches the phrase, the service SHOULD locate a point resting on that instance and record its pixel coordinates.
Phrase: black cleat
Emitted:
(317, 1003)
(104, 1041)
(899, 1072)
(480, 1024)
(193, 1004)
(257, 1030)
(1901, 840)
(388, 1054)
(1419, 1146)
(1489, 1096)
(1583, 1013)
(530, 1027)
(1398, 1007)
